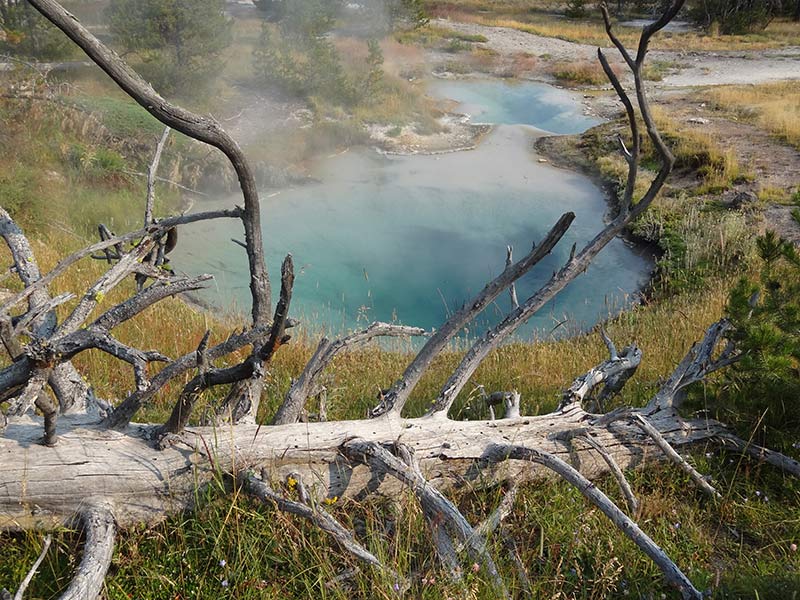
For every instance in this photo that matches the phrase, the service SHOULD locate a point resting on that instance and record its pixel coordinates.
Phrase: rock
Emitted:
(55, 176)
(699, 121)
(738, 199)
(542, 160)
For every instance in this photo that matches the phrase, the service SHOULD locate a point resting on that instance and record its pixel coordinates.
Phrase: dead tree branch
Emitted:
(436, 506)
(701, 481)
(776, 459)
(397, 396)
(294, 403)
(65, 381)
(613, 374)
(26, 582)
(671, 571)
(208, 378)
(204, 129)
(100, 528)
(616, 471)
(261, 489)
(150, 230)
(698, 364)
(151, 177)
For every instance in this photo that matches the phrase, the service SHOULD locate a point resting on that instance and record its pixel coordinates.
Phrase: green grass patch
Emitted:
(123, 117)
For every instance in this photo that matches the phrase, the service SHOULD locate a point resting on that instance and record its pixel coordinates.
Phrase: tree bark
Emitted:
(46, 488)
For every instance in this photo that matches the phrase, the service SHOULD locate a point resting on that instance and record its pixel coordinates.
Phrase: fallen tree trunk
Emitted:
(42, 487)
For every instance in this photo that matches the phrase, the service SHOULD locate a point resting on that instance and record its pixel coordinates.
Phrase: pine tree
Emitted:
(764, 386)
(575, 9)
(24, 32)
(178, 43)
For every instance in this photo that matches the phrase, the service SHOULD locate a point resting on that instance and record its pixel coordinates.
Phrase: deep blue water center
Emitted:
(411, 238)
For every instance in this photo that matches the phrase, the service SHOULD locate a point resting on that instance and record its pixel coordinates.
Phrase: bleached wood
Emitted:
(317, 515)
(151, 177)
(672, 573)
(43, 486)
(294, 402)
(673, 455)
(26, 582)
(64, 380)
(205, 129)
(97, 518)
(397, 396)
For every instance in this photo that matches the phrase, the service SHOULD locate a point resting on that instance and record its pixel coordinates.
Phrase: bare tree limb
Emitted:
(243, 399)
(26, 582)
(396, 398)
(100, 528)
(151, 178)
(701, 481)
(50, 413)
(148, 297)
(488, 526)
(126, 265)
(578, 262)
(153, 229)
(123, 413)
(204, 129)
(292, 406)
(672, 573)
(630, 497)
(776, 459)
(317, 515)
(34, 387)
(698, 364)
(612, 373)
(65, 381)
(436, 506)
(22, 324)
(512, 289)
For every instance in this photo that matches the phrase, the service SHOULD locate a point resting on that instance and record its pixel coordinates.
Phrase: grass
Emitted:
(579, 73)
(773, 106)
(436, 36)
(696, 150)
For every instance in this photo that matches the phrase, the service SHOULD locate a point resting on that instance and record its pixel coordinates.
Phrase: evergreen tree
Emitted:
(575, 9)
(764, 386)
(178, 43)
(26, 33)
(374, 79)
(733, 17)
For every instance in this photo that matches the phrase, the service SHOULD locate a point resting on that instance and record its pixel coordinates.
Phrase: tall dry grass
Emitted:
(550, 22)
(773, 106)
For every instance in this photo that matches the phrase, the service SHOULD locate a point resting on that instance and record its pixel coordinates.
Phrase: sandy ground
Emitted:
(715, 68)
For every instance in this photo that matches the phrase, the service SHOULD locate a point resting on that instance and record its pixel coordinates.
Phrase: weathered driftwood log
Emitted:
(41, 487)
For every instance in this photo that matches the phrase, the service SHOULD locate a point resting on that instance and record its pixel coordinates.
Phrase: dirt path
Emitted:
(717, 68)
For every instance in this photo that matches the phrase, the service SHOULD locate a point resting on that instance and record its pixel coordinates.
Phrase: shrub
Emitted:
(24, 32)
(734, 17)
(178, 44)
(575, 9)
(766, 316)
